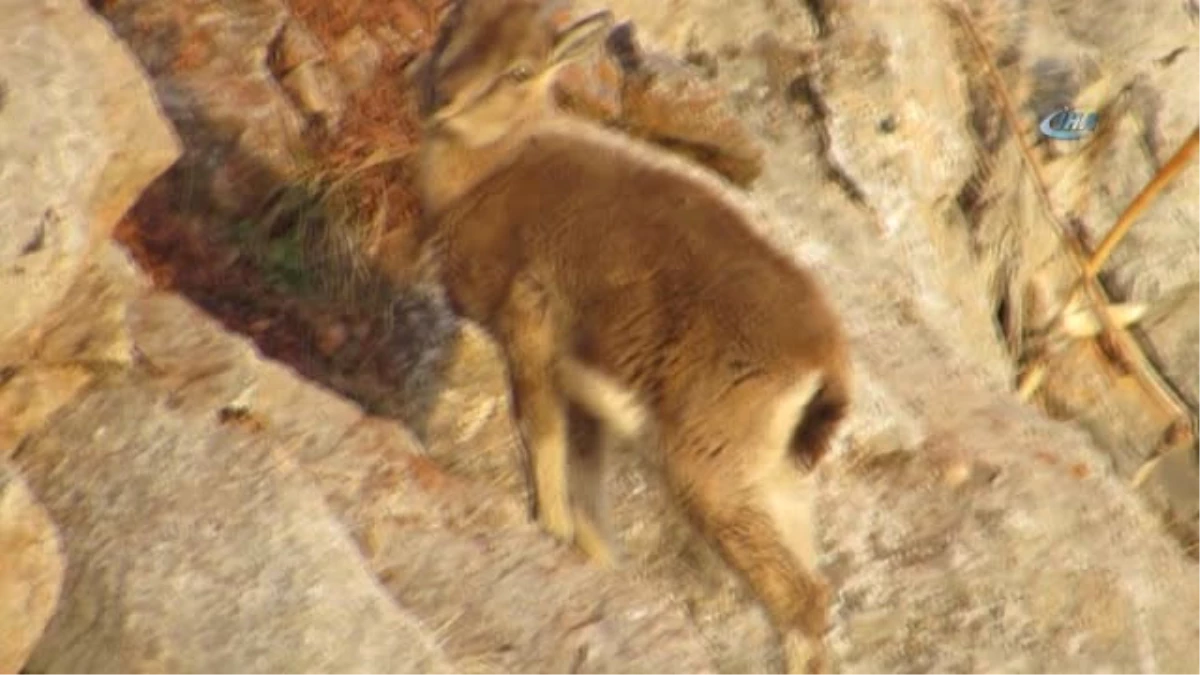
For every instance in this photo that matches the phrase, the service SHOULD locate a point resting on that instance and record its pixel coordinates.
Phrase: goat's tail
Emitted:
(820, 403)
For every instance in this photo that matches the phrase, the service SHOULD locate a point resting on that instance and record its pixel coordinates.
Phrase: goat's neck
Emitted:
(458, 156)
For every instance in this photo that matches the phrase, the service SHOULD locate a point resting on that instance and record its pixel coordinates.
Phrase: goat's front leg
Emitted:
(530, 335)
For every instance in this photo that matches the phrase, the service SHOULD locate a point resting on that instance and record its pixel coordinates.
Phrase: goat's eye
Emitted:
(521, 73)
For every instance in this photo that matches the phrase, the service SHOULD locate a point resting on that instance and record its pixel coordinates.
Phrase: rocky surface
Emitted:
(81, 154)
(31, 570)
(195, 547)
(218, 510)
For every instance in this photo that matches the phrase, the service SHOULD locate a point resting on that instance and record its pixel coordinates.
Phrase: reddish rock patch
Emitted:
(190, 254)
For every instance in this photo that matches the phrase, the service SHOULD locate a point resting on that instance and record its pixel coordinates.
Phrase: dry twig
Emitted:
(1117, 343)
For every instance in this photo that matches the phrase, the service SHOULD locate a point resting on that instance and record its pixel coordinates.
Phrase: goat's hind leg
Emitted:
(768, 545)
(530, 336)
(754, 503)
(788, 500)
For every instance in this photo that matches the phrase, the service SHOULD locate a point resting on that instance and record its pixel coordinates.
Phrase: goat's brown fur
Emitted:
(623, 283)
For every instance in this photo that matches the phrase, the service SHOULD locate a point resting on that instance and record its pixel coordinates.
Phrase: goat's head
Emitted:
(494, 61)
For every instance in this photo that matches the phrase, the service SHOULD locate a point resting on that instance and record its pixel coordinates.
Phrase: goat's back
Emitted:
(659, 272)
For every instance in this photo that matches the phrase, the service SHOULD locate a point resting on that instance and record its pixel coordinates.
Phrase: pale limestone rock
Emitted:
(31, 570)
(78, 146)
(198, 547)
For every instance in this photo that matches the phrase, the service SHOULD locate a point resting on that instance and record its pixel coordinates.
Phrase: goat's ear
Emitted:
(416, 70)
(575, 40)
(442, 11)
(622, 46)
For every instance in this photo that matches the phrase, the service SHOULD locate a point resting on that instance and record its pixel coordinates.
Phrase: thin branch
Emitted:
(1172, 168)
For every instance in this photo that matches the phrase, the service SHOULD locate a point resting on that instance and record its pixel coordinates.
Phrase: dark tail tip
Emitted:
(823, 414)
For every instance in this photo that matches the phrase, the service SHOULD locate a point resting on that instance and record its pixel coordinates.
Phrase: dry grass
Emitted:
(339, 219)
(1088, 295)
(306, 277)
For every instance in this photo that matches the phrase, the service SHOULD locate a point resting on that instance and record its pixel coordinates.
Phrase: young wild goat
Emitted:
(629, 290)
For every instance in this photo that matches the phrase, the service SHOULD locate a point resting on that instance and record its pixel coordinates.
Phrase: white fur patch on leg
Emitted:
(803, 654)
(788, 497)
(605, 398)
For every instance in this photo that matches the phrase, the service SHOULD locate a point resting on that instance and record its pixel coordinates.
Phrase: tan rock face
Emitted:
(31, 570)
(197, 547)
(219, 66)
(85, 335)
(299, 63)
(80, 147)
